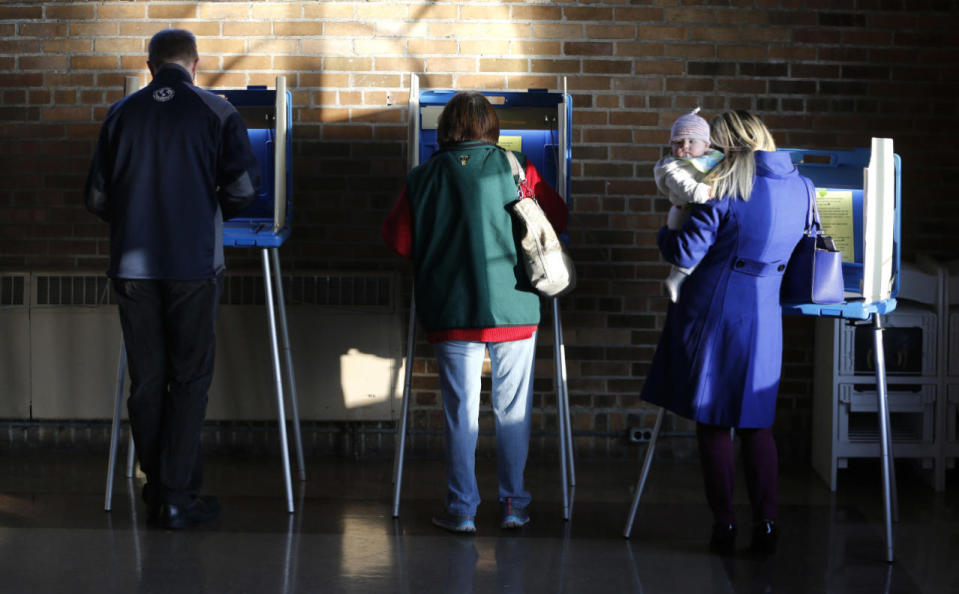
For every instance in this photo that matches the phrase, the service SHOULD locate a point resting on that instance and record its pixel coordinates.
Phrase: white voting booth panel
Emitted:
(916, 348)
(862, 191)
(538, 124)
(845, 424)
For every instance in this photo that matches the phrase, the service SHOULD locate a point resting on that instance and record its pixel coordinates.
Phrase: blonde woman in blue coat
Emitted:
(719, 358)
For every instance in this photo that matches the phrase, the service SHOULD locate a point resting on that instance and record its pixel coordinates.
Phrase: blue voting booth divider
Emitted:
(529, 120)
(872, 244)
(265, 224)
(536, 123)
(843, 170)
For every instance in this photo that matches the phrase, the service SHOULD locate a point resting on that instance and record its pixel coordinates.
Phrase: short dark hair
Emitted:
(172, 45)
(467, 116)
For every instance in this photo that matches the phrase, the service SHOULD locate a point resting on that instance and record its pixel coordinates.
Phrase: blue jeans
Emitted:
(460, 367)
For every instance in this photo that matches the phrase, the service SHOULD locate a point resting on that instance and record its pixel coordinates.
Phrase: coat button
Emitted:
(740, 263)
(781, 267)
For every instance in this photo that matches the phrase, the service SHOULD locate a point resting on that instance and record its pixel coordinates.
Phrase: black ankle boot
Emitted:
(723, 540)
(765, 535)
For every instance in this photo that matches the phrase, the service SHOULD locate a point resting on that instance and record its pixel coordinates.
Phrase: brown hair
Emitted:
(468, 116)
(172, 45)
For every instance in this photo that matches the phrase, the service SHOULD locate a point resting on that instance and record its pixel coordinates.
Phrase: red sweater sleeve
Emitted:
(552, 203)
(397, 229)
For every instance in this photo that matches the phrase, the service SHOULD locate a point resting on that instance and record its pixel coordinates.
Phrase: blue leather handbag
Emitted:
(814, 271)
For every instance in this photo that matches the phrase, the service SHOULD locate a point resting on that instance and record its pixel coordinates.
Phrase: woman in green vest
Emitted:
(472, 296)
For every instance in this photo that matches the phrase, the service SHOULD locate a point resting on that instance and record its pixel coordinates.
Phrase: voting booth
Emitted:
(536, 123)
(268, 115)
(858, 196)
(265, 224)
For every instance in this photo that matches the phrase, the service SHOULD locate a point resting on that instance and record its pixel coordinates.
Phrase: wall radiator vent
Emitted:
(72, 289)
(366, 291)
(13, 289)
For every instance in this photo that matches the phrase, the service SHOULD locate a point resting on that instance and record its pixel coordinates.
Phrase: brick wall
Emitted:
(823, 74)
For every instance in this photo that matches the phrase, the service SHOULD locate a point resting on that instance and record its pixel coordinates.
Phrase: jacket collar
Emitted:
(774, 163)
(470, 144)
(171, 72)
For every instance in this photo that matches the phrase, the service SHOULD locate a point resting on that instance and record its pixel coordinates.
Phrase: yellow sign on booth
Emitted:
(835, 212)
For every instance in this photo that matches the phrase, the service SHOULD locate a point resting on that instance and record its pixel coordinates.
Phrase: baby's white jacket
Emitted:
(679, 179)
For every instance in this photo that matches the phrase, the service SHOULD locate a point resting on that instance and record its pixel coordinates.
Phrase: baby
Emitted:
(679, 176)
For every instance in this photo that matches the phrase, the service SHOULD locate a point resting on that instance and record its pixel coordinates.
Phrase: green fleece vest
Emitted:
(464, 250)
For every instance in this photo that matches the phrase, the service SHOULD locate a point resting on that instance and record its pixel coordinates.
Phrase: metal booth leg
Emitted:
(400, 442)
(288, 358)
(278, 380)
(647, 462)
(115, 429)
(562, 412)
(892, 474)
(885, 440)
(565, 395)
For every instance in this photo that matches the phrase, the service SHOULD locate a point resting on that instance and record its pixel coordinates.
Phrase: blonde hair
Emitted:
(738, 134)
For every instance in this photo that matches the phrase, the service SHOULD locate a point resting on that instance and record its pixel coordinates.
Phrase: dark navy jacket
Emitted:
(172, 161)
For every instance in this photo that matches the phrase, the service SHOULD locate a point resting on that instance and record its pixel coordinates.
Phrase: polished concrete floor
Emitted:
(55, 536)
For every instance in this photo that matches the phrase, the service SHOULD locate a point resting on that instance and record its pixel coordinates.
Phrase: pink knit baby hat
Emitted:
(690, 126)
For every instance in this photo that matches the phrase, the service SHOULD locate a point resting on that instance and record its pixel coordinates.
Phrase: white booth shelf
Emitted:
(845, 421)
(912, 413)
(909, 343)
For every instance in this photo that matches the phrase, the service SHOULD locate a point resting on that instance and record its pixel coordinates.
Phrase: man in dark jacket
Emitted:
(172, 162)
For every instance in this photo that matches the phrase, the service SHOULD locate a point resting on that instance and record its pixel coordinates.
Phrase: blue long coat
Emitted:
(719, 358)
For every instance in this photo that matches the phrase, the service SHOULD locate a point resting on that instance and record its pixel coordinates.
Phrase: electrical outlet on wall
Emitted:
(639, 434)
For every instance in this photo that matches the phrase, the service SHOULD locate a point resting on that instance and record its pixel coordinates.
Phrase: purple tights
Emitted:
(762, 469)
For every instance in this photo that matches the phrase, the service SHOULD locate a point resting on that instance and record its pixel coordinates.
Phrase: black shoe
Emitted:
(765, 535)
(200, 510)
(723, 540)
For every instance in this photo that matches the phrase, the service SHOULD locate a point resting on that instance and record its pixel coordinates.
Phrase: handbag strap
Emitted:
(519, 176)
(813, 222)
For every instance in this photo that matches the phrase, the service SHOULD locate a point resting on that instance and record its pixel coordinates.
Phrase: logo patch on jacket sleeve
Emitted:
(464, 158)
(163, 94)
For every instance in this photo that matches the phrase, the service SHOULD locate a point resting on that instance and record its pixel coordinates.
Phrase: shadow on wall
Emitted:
(349, 164)
(348, 357)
